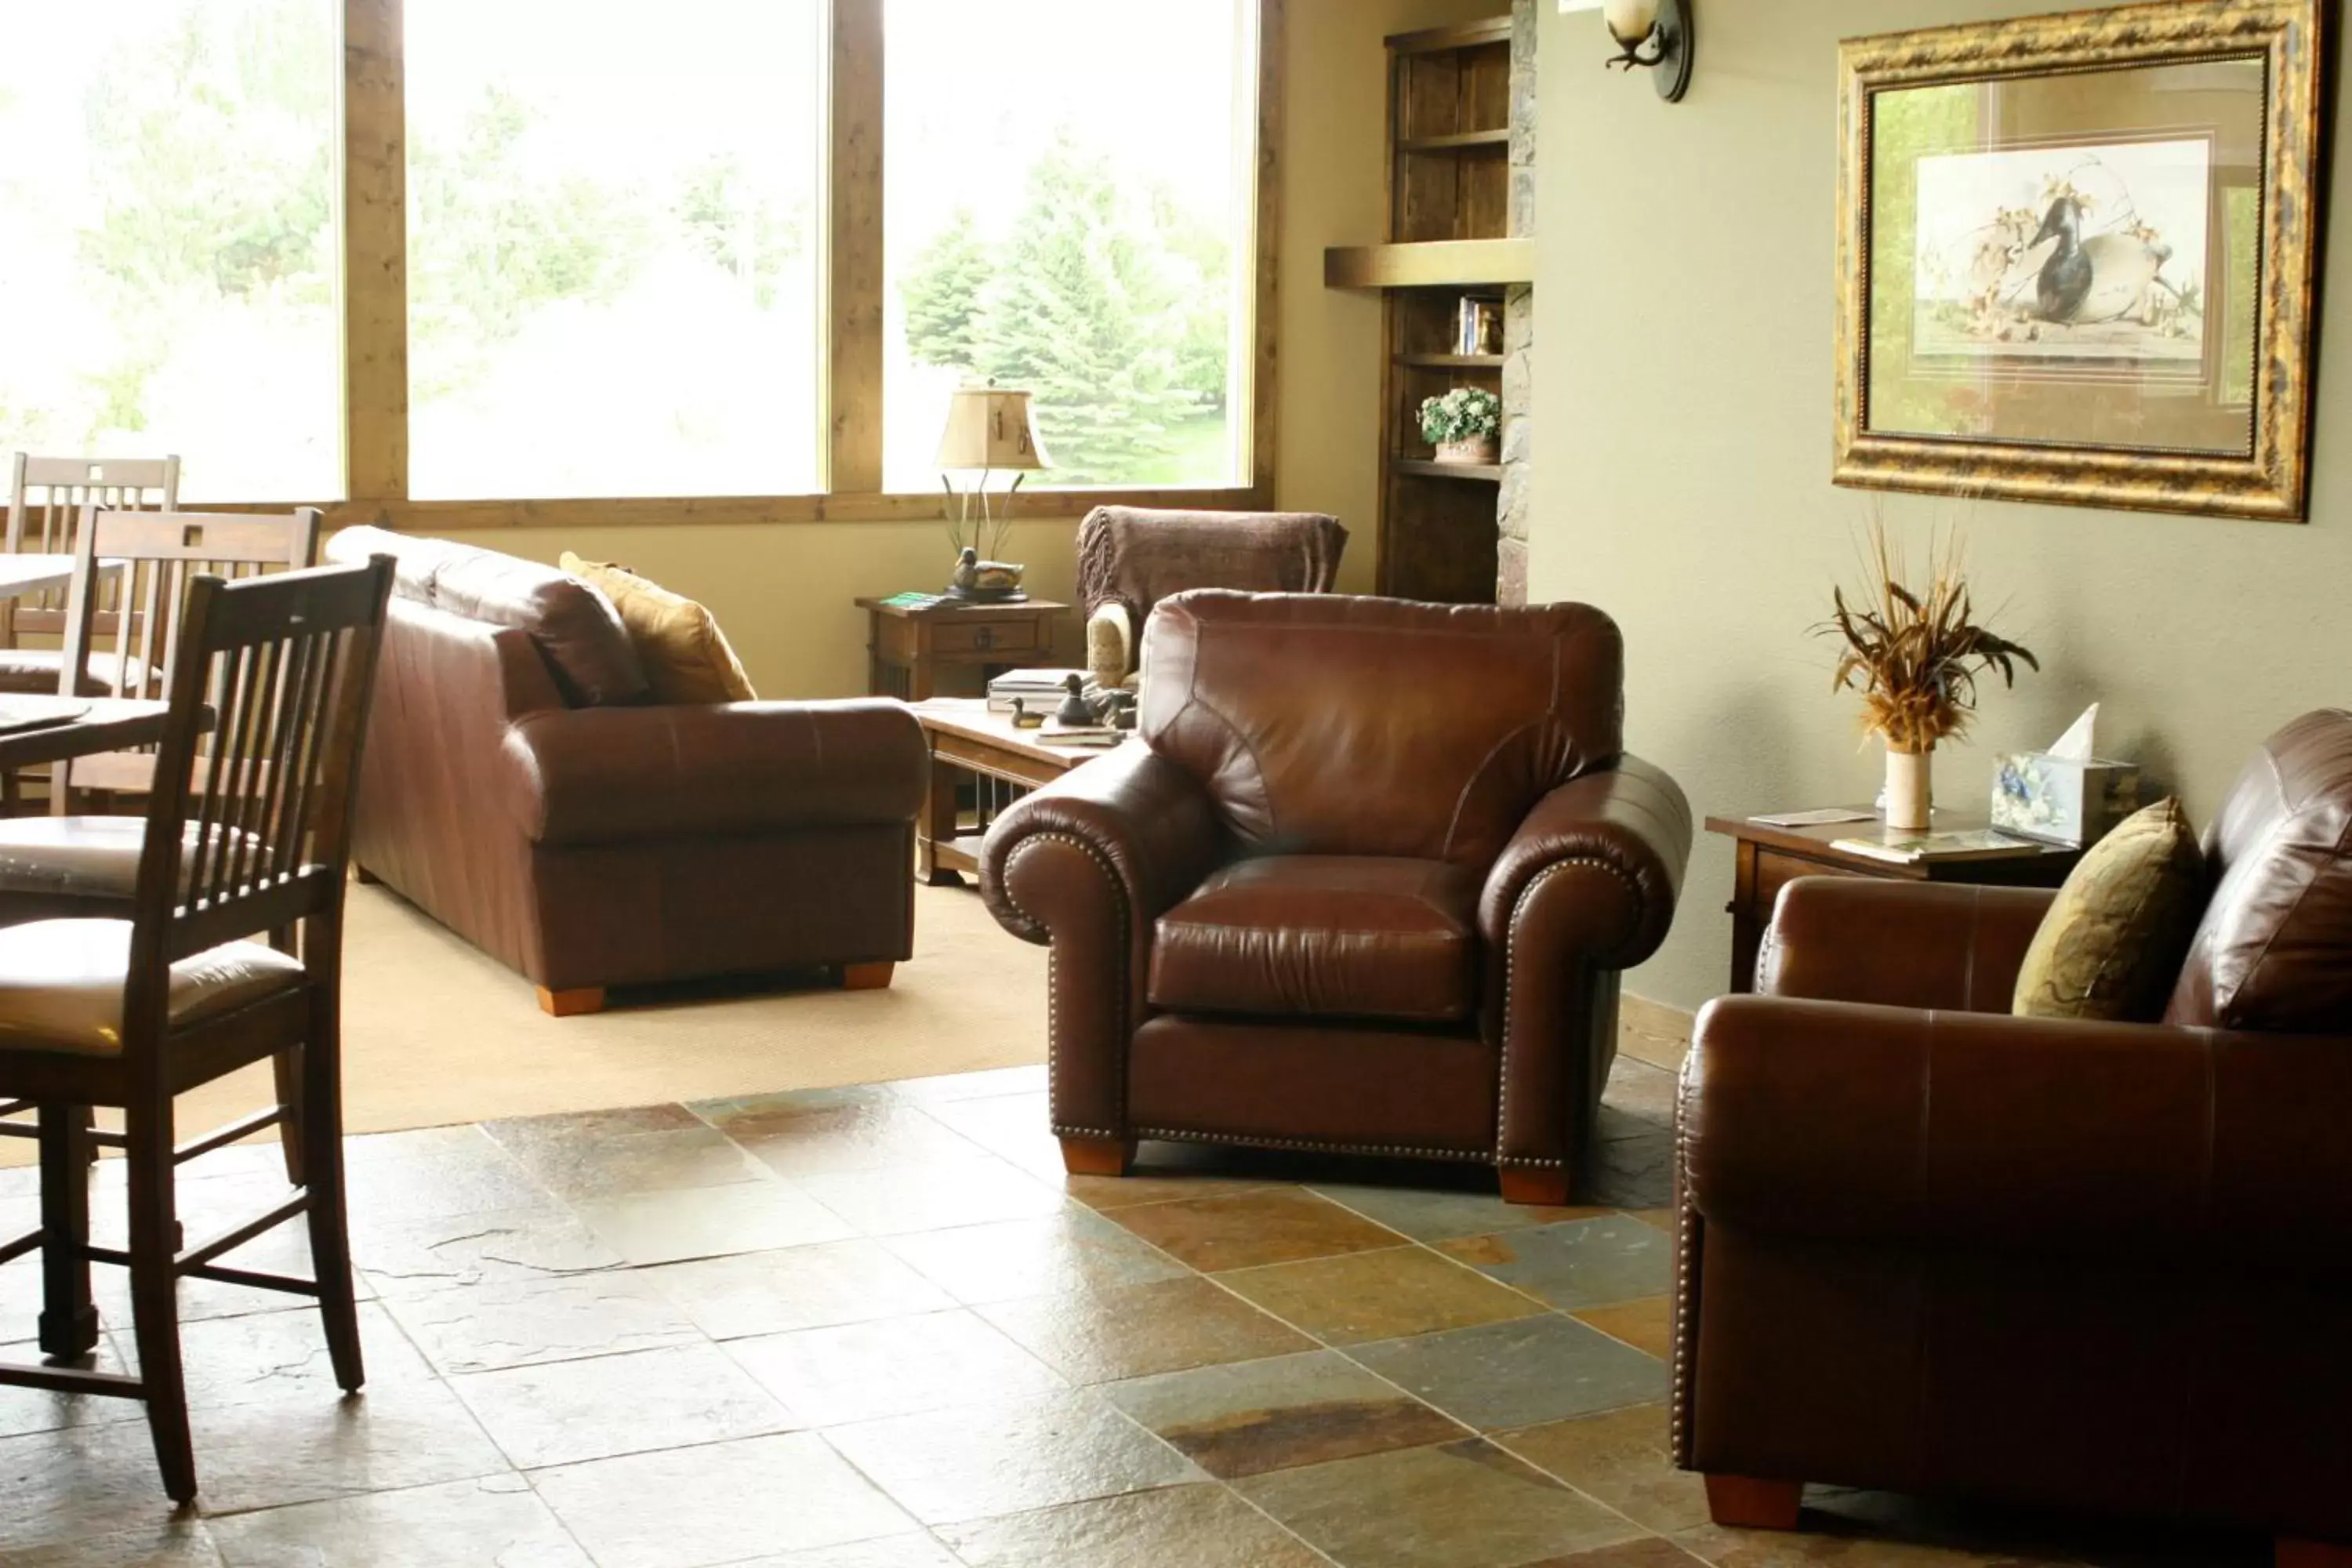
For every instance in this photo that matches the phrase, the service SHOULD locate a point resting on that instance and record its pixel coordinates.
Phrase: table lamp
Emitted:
(988, 428)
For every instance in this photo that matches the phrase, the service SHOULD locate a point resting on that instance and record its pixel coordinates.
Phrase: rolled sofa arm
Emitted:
(1899, 944)
(608, 776)
(1088, 863)
(1628, 825)
(1844, 1122)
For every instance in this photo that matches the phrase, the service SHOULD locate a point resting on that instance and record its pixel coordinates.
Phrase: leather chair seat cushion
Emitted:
(61, 984)
(1326, 936)
(34, 672)
(78, 857)
(575, 627)
(686, 657)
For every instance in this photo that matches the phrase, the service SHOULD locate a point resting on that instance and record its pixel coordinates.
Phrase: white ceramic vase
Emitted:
(1910, 788)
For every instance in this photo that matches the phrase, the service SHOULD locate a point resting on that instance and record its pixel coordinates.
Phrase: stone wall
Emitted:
(1519, 321)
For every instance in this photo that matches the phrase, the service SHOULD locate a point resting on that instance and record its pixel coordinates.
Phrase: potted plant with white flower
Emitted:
(1464, 424)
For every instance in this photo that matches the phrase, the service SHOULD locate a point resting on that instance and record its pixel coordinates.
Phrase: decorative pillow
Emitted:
(686, 655)
(2113, 943)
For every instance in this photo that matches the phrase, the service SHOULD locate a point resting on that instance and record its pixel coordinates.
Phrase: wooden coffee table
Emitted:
(968, 742)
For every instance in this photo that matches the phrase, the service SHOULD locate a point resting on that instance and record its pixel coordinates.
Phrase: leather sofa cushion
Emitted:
(574, 625)
(1324, 724)
(688, 659)
(1323, 936)
(2274, 951)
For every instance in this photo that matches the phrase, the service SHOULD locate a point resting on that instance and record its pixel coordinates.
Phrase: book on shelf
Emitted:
(1903, 847)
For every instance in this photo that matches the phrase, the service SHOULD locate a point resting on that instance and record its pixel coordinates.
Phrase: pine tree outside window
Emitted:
(1068, 209)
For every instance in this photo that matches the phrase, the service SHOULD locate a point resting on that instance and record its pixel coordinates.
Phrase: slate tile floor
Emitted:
(877, 1328)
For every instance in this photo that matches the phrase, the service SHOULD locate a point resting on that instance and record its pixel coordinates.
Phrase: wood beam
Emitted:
(375, 252)
(854, 248)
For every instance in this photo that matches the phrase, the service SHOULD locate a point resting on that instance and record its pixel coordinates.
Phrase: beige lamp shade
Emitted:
(990, 427)
(1632, 21)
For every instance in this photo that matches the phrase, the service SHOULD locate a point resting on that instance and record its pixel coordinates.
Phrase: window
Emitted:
(614, 247)
(1068, 207)
(169, 253)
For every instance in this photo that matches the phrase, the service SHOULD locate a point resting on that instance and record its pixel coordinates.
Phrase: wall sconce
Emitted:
(1655, 35)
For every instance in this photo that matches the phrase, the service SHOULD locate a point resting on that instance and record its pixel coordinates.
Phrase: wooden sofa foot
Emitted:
(364, 877)
(1097, 1156)
(1744, 1502)
(2286, 1554)
(571, 1003)
(1540, 1184)
(866, 976)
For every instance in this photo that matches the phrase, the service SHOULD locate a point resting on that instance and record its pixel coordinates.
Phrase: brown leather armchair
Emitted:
(1927, 1247)
(1367, 886)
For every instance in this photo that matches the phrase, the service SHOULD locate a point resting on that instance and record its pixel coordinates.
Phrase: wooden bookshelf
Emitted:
(1448, 236)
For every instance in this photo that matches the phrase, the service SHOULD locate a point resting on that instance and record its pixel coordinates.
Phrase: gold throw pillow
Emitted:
(2113, 943)
(686, 655)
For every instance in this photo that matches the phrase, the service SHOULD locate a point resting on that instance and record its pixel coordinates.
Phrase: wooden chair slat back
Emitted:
(45, 523)
(162, 552)
(249, 829)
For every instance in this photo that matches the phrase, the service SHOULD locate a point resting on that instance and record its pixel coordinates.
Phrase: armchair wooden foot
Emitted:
(1742, 1501)
(1538, 1184)
(866, 976)
(365, 877)
(571, 1003)
(1097, 1156)
(2286, 1554)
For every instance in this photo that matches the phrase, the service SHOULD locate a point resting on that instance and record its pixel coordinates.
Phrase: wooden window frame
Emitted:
(376, 312)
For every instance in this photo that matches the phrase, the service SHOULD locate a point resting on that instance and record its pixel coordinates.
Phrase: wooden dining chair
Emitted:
(249, 833)
(48, 497)
(153, 556)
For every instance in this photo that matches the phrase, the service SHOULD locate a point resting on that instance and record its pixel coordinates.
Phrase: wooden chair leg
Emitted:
(155, 1298)
(1742, 1501)
(286, 1066)
(331, 1244)
(364, 877)
(1097, 1156)
(1547, 1186)
(68, 1323)
(572, 1003)
(2286, 1554)
(866, 976)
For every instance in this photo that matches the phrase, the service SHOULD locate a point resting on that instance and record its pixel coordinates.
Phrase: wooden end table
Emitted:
(907, 646)
(967, 741)
(1770, 857)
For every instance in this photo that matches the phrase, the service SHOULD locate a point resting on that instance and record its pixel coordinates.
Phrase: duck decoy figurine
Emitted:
(1075, 710)
(1025, 719)
(2108, 277)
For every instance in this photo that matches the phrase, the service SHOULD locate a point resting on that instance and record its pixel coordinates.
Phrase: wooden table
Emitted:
(23, 575)
(111, 724)
(967, 741)
(906, 648)
(1772, 857)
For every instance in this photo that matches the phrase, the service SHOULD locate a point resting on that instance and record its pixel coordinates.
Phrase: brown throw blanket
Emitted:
(1138, 557)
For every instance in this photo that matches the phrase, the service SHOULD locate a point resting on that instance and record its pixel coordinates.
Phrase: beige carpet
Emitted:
(435, 1033)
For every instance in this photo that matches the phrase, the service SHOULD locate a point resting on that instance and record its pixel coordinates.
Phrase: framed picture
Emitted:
(2076, 258)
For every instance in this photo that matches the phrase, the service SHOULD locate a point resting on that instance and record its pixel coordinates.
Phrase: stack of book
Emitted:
(1902, 848)
(1040, 690)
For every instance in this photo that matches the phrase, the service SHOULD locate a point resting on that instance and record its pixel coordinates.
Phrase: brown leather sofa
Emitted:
(1367, 886)
(1927, 1247)
(518, 785)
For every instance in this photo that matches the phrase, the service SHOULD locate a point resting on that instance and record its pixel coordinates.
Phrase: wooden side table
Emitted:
(906, 648)
(1772, 857)
(972, 747)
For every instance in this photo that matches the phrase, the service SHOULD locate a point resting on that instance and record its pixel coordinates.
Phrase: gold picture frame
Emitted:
(1985, 361)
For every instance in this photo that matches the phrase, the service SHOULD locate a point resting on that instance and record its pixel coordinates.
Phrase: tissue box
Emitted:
(2062, 800)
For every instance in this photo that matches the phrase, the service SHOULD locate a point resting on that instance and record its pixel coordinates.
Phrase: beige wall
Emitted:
(783, 593)
(1682, 393)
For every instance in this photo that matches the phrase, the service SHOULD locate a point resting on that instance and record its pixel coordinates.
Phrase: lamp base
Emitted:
(988, 596)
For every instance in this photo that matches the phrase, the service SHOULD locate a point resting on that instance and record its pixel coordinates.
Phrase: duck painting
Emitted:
(2108, 277)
